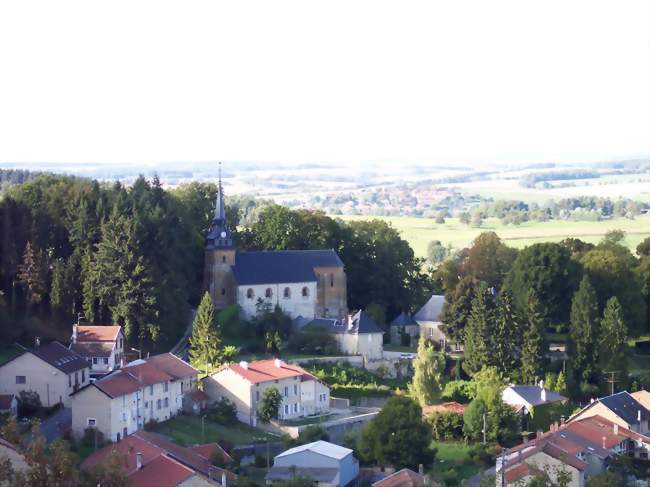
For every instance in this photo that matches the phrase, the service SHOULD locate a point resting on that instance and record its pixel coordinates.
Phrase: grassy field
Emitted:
(453, 455)
(418, 232)
(186, 431)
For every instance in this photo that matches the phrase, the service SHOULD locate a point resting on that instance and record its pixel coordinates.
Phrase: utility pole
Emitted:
(484, 428)
(612, 379)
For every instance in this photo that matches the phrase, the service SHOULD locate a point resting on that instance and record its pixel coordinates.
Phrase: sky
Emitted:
(353, 82)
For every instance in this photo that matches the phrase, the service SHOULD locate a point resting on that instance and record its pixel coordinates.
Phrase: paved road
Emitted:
(56, 425)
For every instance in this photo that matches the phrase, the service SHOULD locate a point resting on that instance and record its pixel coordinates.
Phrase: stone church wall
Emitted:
(294, 305)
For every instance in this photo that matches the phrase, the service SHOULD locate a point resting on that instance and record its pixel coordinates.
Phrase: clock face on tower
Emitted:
(223, 234)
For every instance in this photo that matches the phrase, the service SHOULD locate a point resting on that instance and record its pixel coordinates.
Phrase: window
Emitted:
(286, 409)
(331, 280)
(166, 402)
(257, 395)
(287, 293)
(105, 360)
(295, 389)
(295, 408)
(166, 386)
(76, 378)
(123, 415)
(158, 404)
(95, 360)
(223, 291)
(118, 437)
(305, 292)
(83, 376)
(21, 379)
(70, 380)
(146, 404)
(250, 294)
(223, 258)
(286, 391)
(91, 421)
(268, 293)
(151, 390)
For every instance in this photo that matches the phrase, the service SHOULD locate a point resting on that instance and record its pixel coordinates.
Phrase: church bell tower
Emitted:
(220, 256)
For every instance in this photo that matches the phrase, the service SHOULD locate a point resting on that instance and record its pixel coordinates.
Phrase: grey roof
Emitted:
(321, 447)
(431, 310)
(282, 266)
(361, 322)
(533, 395)
(403, 320)
(60, 357)
(326, 475)
(625, 407)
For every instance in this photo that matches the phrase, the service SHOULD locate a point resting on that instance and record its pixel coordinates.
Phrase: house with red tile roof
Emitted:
(123, 401)
(101, 345)
(405, 478)
(582, 448)
(244, 385)
(149, 459)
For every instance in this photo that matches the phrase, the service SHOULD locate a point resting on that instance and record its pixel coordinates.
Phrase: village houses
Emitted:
(101, 345)
(52, 371)
(125, 400)
(244, 385)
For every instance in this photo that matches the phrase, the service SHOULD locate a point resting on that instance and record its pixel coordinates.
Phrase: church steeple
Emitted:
(220, 235)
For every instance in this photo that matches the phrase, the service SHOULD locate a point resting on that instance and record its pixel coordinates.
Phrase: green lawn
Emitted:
(186, 430)
(420, 231)
(453, 455)
(400, 348)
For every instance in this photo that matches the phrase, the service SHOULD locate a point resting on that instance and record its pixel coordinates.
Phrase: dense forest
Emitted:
(134, 255)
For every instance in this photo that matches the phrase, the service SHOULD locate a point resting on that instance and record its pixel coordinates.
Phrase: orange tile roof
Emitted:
(173, 365)
(642, 397)
(517, 473)
(266, 370)
(445, 407)
(162, 471)
(404, 478)
(197, 395)
(97, 333)
(209, 449)
(130, 379)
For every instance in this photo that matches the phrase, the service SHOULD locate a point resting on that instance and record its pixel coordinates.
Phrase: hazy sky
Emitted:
(331, 81)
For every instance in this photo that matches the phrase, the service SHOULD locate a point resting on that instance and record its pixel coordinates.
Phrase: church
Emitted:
(306, 283)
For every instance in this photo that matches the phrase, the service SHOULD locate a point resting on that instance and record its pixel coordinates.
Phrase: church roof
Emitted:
(282, 266)
(403, 320)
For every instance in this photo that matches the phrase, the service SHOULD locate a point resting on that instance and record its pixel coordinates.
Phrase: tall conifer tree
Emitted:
(478, 334)
(205, 342)
(429, 366)
(506, 337)
(533, 350)
(613, 340)
(583, 339)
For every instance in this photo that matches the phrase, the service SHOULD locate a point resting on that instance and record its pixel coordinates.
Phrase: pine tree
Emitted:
(560, 384)
(205, 342)
(32, 274)
(583, 340)
(478, 335)
(506, 338)
(429, 366)
(613, 339)
(533, 350)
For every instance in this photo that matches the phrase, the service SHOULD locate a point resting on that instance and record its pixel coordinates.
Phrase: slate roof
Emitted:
(363, 323)
(625, 407)
(321, 447)
(533, 394)
(60, 357)
(431, 310)
(403, 319)
(282, 266)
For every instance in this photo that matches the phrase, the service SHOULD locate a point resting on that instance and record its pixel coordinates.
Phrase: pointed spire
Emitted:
(220, 210)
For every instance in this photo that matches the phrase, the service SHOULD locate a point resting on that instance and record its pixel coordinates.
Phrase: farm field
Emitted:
(418, 232)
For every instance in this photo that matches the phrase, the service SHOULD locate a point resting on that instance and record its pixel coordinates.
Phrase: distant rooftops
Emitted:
(626, 407)
(58, 356)
(267, 370)
(97, 333)
(403, 319)
(282, 266)
(357, 323)
(531, 395)
(431, 310)
(321, 447)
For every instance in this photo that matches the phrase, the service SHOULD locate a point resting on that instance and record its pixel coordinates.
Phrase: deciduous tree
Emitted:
(429, 366)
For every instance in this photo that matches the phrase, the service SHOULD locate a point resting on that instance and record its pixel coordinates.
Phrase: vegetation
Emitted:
(205, 342)
(427, 380)
(269, 405)
(345, 380)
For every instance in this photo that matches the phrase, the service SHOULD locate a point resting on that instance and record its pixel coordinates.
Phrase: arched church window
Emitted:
(305, 292)
(287, 293)
(250, 293)
(268, 293)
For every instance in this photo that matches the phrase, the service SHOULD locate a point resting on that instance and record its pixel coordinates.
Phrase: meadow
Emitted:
(418, 232)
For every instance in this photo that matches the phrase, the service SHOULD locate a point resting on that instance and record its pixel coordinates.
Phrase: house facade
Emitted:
(122, 402)
(620, 408)
(524, 398)
(327, 464)
(52, 371)
(101, 345)
(404, 324)
(306, 283)
(244, 385)
(428, 319)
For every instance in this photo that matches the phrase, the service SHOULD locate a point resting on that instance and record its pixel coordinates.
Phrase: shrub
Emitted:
(446, 426)
(223, 412)
(313, 341)
(405, 339)
(462, 391)
(151, 424)
(482, 454)
(260, 461)
(29, 402)
(92, 435)
(308, 435)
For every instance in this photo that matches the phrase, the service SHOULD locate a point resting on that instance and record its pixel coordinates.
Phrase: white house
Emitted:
(125, 400)
(524, 398)
(325, 463)
(428, 318)
(244, 385)
(101, 345)
(52, 371)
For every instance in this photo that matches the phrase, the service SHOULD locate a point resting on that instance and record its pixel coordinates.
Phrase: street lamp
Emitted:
(139, 352)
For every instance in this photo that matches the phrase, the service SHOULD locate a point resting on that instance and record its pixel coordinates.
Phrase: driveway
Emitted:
(56, 425)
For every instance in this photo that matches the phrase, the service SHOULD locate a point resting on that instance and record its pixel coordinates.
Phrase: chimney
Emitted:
(278, 364)
(616, 429)
(543, 393)
(604, 443)
(541, 384)
(243, 364)
(75, 330)
(638, 416)
(421, 469)
(37, 342)
(138, 461)
(223, 479)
